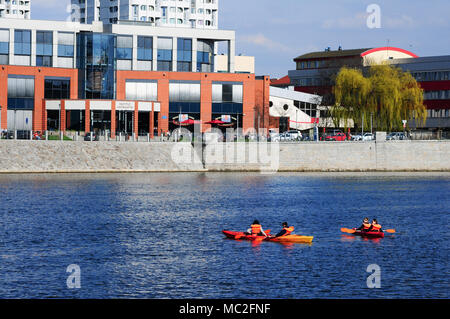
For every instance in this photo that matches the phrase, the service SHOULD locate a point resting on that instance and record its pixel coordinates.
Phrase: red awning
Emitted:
(190, 122)
(215, 122)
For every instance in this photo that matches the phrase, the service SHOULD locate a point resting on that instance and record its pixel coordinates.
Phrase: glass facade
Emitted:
(96, 61)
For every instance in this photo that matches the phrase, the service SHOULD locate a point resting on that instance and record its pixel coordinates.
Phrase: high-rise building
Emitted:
(15, 9)
(198, 14)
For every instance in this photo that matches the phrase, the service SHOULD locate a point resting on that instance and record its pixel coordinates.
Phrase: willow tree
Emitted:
(387, 95)
(351, 91)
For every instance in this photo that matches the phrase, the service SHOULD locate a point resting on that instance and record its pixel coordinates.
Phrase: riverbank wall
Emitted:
(97, 157)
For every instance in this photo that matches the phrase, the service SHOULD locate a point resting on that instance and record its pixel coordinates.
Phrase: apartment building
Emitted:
(197, 14)
(15, 9)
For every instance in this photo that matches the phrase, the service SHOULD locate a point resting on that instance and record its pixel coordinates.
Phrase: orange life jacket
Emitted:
(366, 226)
(256, 229)
(376, 227)
(288, 230)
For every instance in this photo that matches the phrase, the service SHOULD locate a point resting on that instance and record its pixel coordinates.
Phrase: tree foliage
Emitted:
(387, 93)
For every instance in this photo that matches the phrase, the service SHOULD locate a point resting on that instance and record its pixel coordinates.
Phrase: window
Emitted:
(44, 48)
(20, 92)
(22, 42)
(124, 50)
(4, 46)
(205, 55)
(65, 44)
(164, 54)
(184, 55)
(57, 88)
(145, 48)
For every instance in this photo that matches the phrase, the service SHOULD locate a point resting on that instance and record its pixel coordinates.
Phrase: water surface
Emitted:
(159, 235)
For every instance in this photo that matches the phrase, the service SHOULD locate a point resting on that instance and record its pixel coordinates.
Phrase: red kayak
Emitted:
(369, 234)
(243, 236)
(284, 239)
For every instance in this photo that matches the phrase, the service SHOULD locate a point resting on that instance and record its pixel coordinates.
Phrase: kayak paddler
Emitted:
(365, 225)
(375, 227)
(286, 230)
(256, 229)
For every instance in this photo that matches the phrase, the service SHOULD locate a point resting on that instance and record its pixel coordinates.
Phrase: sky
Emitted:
(277, 31)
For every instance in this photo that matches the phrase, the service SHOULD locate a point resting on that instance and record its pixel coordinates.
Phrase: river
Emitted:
(159, 235)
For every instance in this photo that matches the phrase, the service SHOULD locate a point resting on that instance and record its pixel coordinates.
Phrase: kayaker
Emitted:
(365, 225)
(375, 227)
(256, 229)
(286, 230)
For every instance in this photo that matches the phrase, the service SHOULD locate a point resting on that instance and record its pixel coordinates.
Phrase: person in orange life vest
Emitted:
(256, 229)
(365, 225)
(286, 230)
(375, 227)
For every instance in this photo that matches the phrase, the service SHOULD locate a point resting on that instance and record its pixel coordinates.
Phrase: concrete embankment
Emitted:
(335, 156)
(91, 157)
(73, 157)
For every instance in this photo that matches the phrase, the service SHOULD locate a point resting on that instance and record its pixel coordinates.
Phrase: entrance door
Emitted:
(284, 124)
(125, 122)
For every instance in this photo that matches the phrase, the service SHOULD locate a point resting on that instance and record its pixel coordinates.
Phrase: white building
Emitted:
(198, 14)
(15, 9)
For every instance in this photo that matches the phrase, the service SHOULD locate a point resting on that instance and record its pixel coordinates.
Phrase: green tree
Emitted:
(386, 92)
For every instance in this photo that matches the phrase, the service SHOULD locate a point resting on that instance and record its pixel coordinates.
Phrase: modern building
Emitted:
(114, 78)
(197, 14)
(433, 74)
(15, 9)
(315, 72)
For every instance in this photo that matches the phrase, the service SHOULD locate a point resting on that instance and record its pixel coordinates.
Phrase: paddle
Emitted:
(352, 231)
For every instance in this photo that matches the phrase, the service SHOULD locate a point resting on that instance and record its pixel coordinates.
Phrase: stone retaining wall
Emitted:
(56, 156)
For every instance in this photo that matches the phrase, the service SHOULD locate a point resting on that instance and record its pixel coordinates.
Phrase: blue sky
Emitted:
(276, 31)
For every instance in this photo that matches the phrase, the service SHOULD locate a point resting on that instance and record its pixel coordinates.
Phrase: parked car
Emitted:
(87, 136)
(356, 137)
(398, 136)
(295, 135)
(336, 137)
(368, 137)
(274, 137)
(286, 137)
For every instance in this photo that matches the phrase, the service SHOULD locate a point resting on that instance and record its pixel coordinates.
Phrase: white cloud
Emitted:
(261, 40)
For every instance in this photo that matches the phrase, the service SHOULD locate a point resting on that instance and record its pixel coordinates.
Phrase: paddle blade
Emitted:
(391, 231)
(348, 230)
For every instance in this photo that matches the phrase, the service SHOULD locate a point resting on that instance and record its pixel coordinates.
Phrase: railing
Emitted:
(142, 137)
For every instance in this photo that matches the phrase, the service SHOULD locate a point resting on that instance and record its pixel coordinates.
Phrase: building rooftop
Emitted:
(331, 54)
